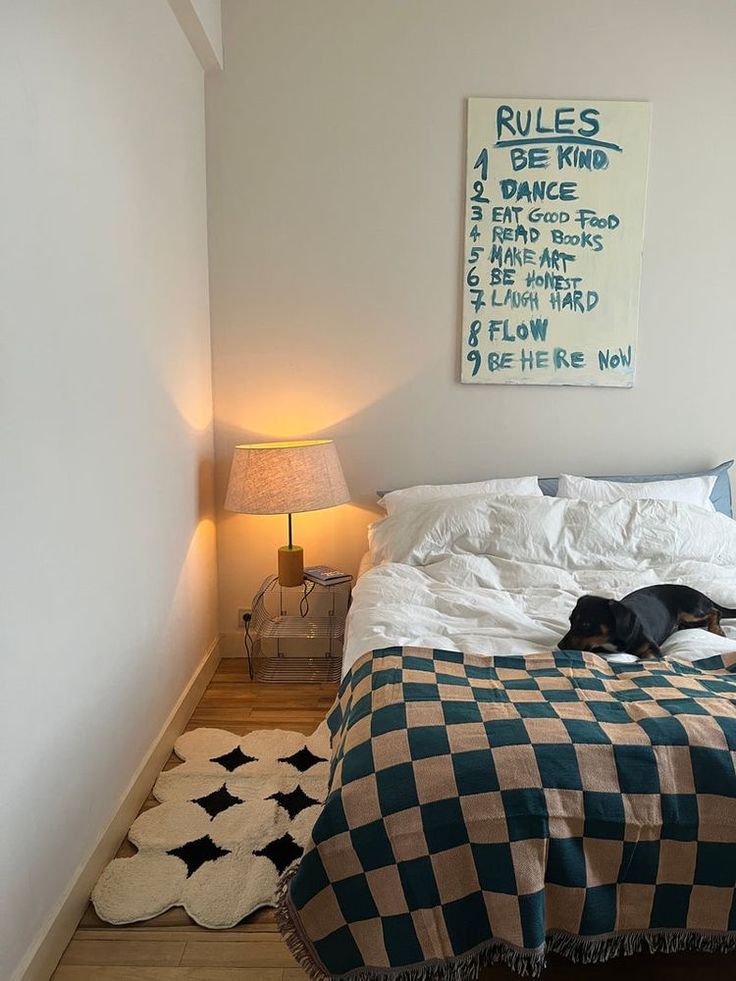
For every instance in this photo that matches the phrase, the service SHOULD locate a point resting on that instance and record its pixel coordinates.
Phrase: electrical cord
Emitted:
(304, 601)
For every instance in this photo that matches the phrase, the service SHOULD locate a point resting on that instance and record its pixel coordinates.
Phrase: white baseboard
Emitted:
(52, 939)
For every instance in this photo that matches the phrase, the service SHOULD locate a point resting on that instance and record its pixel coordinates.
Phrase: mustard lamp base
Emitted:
(291, 565)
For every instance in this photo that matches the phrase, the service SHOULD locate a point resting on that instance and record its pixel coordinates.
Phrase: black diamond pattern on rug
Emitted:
(217, 802)
(232, 760)
(195, 853)
(294, 802)
(302, 760)
(282, 852)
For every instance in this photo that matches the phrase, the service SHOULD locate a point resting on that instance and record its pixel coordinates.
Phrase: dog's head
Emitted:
(600, 624)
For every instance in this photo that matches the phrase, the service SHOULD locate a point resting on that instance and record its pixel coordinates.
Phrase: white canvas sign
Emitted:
(555, 195)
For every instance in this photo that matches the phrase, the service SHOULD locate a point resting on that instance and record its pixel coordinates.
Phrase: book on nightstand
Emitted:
(325, 575)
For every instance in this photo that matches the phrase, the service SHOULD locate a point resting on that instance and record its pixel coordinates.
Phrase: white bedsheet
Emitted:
(500, 576)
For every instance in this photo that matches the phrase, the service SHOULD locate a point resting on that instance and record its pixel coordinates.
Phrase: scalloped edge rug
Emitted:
(232, 818)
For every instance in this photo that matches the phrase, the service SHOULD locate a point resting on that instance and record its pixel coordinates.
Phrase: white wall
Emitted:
(108, 573)
(335, 158)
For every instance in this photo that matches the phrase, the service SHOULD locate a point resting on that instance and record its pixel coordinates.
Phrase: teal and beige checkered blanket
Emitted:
(484, 809)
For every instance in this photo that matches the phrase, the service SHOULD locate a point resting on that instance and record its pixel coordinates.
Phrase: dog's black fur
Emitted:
(641, 621)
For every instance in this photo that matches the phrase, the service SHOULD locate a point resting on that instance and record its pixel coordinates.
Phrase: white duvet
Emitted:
(500, 575)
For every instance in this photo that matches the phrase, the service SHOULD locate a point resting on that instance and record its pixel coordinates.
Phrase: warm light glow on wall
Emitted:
(193, 402)
(292, 404)
(334, 536)
(296, 394)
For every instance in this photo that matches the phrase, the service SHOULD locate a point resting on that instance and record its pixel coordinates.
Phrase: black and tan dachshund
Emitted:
(641, 621)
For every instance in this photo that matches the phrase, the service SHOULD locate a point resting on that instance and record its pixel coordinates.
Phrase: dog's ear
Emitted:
(627, 630)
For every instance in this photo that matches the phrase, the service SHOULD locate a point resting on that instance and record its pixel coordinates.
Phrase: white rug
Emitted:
(232, 818)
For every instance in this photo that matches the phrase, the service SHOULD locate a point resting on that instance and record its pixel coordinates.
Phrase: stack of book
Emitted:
(325, 575)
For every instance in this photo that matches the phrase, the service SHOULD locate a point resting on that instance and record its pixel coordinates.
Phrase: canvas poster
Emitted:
(555, 195)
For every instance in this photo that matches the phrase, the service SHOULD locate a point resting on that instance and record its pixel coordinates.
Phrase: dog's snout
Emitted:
(574, 642)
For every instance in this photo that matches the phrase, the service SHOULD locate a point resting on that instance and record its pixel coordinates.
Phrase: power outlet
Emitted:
(242, 610)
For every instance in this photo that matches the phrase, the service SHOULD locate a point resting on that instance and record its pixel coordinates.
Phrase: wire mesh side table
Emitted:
(296, 633)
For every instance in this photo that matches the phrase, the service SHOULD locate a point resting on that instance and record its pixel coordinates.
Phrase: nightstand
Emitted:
(296, 633)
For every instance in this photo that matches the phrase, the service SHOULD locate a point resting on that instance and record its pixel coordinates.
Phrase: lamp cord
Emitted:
(304, 601)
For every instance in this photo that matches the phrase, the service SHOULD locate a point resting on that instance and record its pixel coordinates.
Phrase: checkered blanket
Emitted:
(485, 809)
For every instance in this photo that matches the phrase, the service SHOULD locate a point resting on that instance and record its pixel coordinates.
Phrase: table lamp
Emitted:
(285, 478)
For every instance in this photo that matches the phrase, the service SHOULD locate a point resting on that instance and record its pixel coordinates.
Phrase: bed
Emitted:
(493, 799)
(422, 585)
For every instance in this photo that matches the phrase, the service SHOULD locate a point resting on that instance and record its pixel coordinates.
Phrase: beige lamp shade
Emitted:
(284, 478)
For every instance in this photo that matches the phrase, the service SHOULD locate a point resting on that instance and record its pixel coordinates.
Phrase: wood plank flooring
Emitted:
(172, 947)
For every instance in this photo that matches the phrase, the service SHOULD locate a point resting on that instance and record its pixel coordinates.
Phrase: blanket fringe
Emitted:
(290, 932)
(592, 950)
(526, 963)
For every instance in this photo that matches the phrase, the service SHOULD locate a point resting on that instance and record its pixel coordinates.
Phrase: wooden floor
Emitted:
(171, 947)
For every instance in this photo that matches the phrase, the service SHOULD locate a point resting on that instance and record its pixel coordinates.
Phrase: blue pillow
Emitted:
(720, 495)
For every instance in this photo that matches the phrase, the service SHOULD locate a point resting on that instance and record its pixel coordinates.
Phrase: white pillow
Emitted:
(687, 490)
(422, 493)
